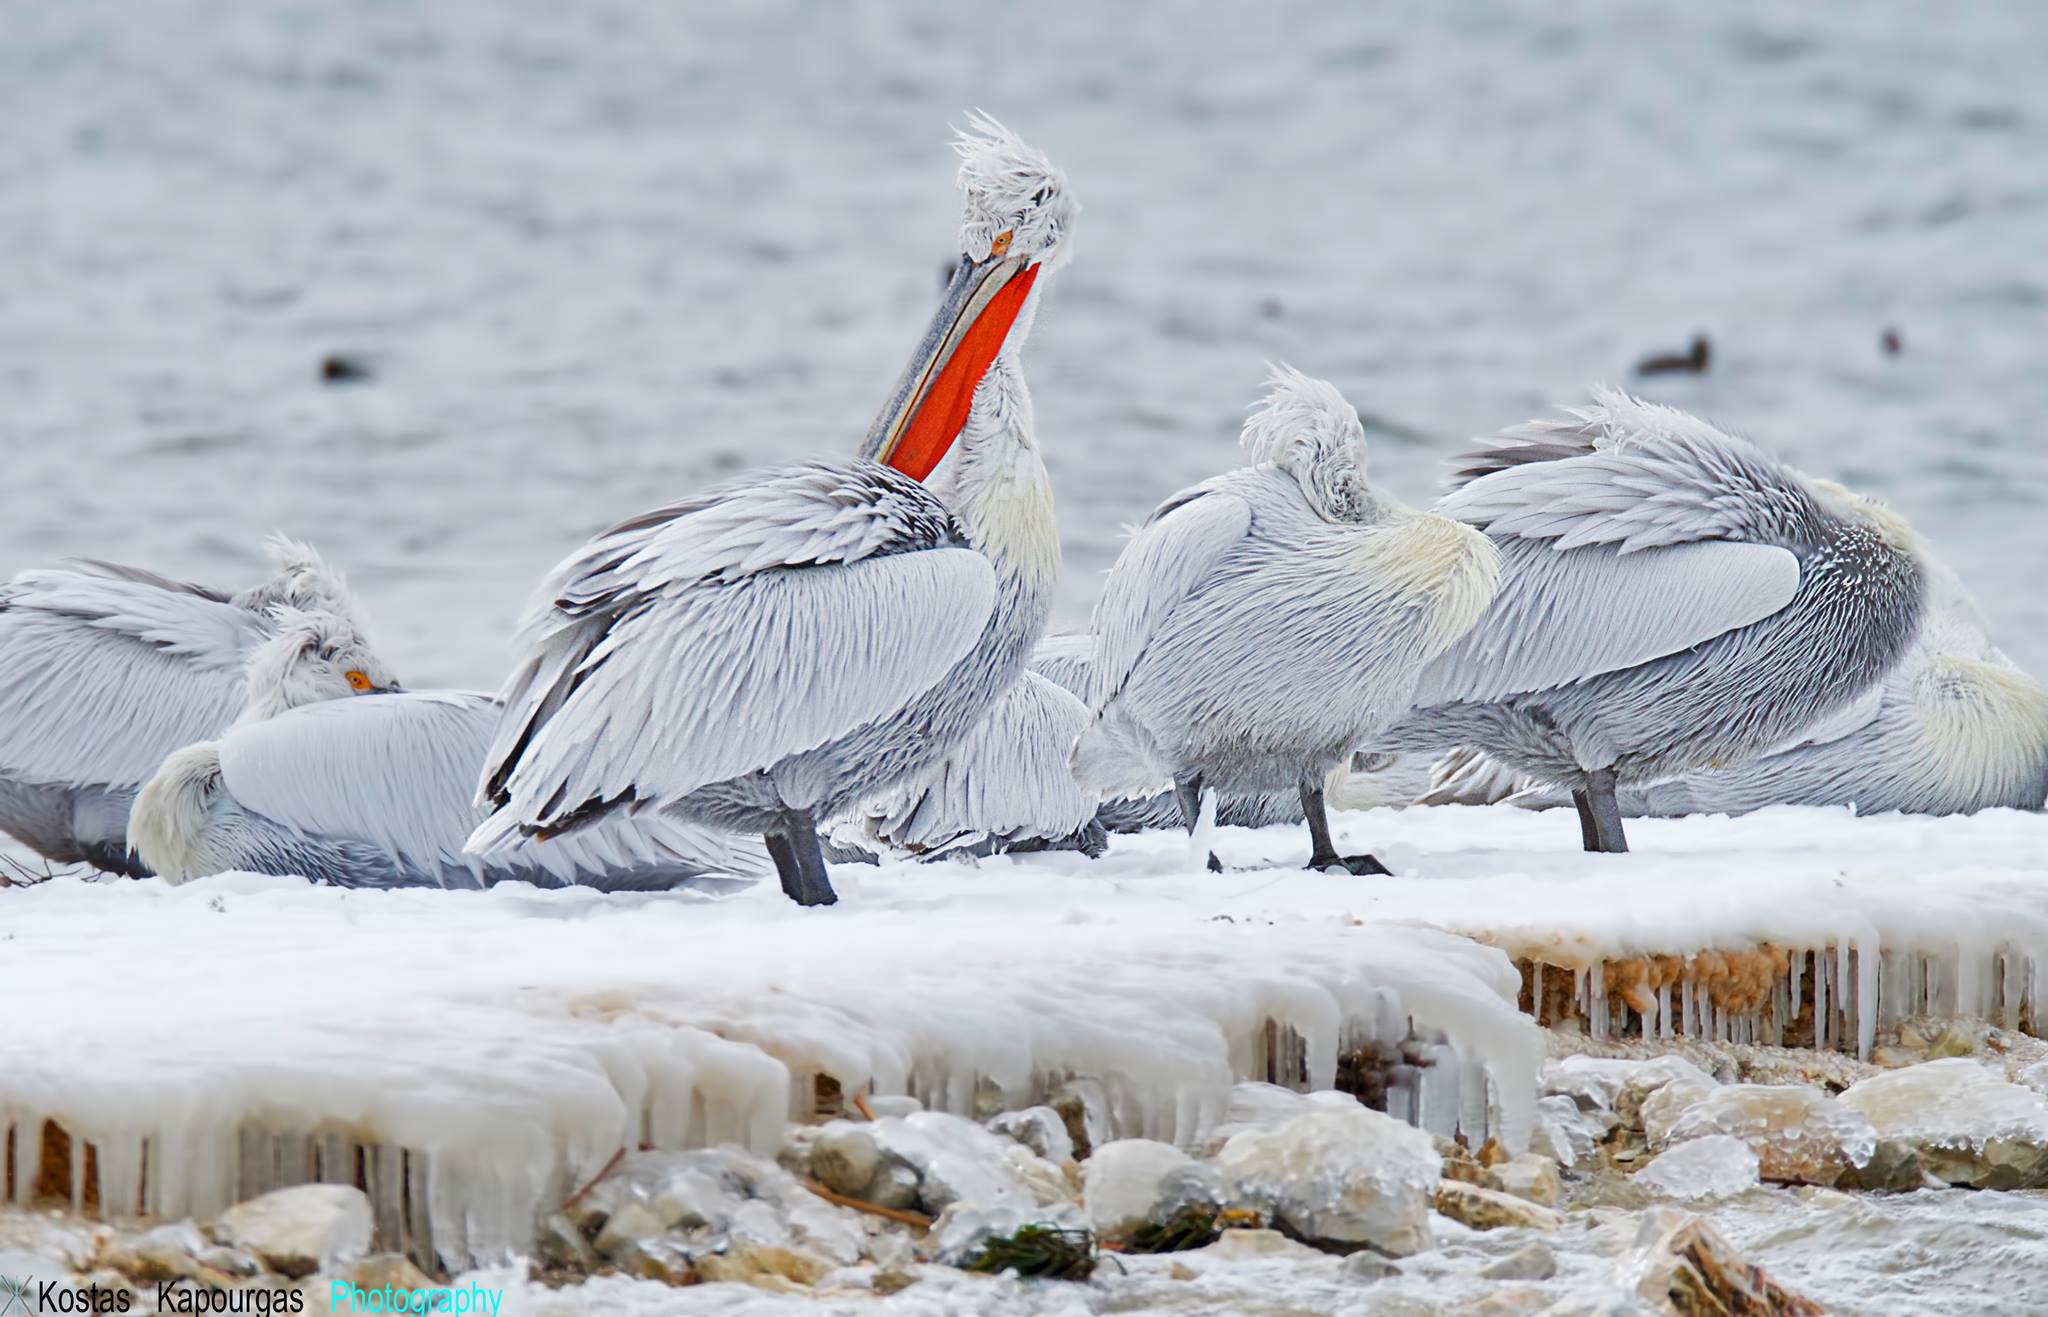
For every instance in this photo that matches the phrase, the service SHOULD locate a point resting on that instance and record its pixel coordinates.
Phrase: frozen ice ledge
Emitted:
(470, 1059)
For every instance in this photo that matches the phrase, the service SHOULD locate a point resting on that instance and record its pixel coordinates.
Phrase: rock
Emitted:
(762, 1266)
(231, 1261)
(1255, 1106)
(794, 1156)
(1715, 1166)
(1893, 1168)
(1593, 1082)
(1459, 1163)
(168, 1252)
(898, 1105)
(1683, 1266)
(894, 1185)
(1132, 1183)
(1799, 1135)
(1651, 1077)
(713, 1196)
(1566, 1134)
(890, 1280)
(1966, 1123)
(626, 1227)
(1662, 1108)
(957, 1161)
(300, 1230)
(1246, 1245)
(1489, 1209)
(1528, 1176)
(1365, 1266)
(1340, 1177)
(1530, 1262)
(1083, 1105)
(388, 1271)
(561, 1247)
(844, 1158)
(1040, 1129)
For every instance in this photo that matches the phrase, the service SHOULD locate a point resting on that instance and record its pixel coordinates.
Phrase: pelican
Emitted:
(761, 655)
(1671, 599)
(378, 792)
(1262, 624)
(111, 668)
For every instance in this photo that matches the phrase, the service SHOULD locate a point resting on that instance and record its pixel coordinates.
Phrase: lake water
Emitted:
(600, 254)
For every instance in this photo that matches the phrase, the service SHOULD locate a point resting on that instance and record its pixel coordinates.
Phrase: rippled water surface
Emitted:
(599, 254)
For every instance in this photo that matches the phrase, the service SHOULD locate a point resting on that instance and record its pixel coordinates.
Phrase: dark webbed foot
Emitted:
(1361, 865)
(1215, 865)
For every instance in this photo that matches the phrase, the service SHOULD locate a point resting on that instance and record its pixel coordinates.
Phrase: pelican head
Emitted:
(1015, 219)
(314, 656)
(1305, 427)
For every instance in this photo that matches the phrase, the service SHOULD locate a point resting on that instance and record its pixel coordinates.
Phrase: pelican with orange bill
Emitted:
(759, 656)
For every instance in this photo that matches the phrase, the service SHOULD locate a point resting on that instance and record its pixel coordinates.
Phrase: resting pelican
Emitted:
(762, 655)
(1671, 599)
(1265, 622)
(111, 668)
(378, 792)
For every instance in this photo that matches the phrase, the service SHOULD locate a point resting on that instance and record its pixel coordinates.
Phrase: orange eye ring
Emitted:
(358, 681)
(1002, 243)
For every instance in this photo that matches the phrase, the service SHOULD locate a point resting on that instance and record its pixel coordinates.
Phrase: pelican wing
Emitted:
(718, 637)
(397, 773)
(108, 671)
(1563, 616)
(1063, 661)
(1165, 561)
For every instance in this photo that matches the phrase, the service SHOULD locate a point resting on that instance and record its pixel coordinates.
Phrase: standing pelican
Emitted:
(1265, 622)
(378, 792)
(1671, 599)
(762, 655)
(111, 668)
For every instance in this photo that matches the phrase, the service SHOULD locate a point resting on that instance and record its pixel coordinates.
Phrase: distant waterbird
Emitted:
(111, 668)
(762, 655)
(1262, 624)
(1693, 361)
(379, 792)
(1671, 599)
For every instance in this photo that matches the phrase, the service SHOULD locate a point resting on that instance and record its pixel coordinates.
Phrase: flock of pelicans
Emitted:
(1625, 608)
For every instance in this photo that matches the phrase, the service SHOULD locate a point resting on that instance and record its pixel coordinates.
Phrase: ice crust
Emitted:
(483, 1054)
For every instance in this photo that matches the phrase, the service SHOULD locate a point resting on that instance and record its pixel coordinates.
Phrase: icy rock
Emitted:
(2035, 1077)
(168, 1252)
(1083, 1105)
(1341, 1177)
(1459, 1163)
(1682, 1266)
(1530, 1176)
(764, 1266)
(1132, 1183)
(560, 1247)
(1040, 1129)
(1530, 1262)
(1649, 1078)
(1715, 1166)
(1799, 1135)
(894, 1186)
(724, 1192)
(844, 1158)
(388, 1271)
(1366, 1267)
(1593, 1082)
(300, 1230)
(1489, 1209)
(1661, 1109)
(898, 1105)
(1967, 1124)
(1256, 1106)
(957, 1161)
(1564, 1133)
(1251, 1245)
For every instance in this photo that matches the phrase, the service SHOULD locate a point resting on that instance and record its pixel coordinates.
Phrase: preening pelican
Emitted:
(1671, 598)
(760, 656)
(111, 668)
(379, 792)
(1954, 729)
(1262, 624)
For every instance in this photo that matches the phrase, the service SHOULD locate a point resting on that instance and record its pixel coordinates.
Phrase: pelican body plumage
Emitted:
(763, 655)
(111, 668)
(1263, 623)
(378, 792)
(1671, 599)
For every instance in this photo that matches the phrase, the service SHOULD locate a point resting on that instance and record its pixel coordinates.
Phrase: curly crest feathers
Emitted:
(1305, 427)
(1011, 187)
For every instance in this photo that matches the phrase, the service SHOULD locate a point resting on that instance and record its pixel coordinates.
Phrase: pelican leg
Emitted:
(1318, 816)
(1187, 793)
(1604, 811)
(800, 860)
(1589, 829)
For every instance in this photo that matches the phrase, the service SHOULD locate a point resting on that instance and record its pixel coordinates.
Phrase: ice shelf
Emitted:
(470, 1059)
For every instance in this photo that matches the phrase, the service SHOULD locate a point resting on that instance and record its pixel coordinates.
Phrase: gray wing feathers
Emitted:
(1164, 562)
(1063, 661)
(1564, 616)
(107, 675)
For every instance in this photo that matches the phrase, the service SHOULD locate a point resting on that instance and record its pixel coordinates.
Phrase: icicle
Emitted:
(1685, 1004)
(1866, 1000)
(1664, 1010)
(1797, 996)
(1536, 991)
(1596, 997)
(1472, 1107)
(78, 1177)
(1820, 998)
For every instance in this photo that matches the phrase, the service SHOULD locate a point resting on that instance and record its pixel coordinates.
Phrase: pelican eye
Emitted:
(358, 680)
(1002, 242)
